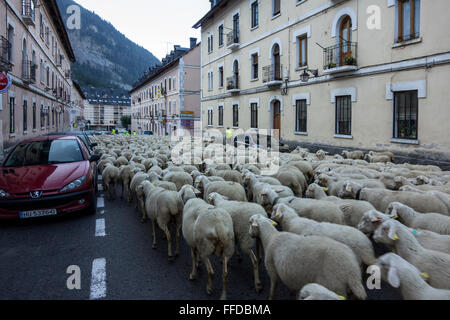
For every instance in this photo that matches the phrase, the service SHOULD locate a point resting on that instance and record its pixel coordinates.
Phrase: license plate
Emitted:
(38, 213)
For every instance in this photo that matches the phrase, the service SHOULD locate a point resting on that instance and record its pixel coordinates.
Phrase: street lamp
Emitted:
(304, 77)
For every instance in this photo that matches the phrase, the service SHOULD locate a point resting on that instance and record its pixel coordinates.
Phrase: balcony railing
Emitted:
(233, 83)
(273, 74)
(29, 71)
(341, 55)
(28, 12)
(5, 47)
(233, 39)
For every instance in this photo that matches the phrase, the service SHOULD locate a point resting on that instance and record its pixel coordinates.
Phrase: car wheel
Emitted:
(92, 210)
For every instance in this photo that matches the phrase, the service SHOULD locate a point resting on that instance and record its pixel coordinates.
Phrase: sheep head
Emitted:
(349, 190)
(371, 221)
(256, 222)
(387, 233)
(389, 271)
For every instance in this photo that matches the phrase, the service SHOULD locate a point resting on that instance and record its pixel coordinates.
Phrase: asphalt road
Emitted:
(35, 256)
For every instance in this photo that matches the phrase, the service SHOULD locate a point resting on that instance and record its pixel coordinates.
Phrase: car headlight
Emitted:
(4, 194)
(74, 184)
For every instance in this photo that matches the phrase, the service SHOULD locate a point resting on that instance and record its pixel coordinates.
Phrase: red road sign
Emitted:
(5, 82)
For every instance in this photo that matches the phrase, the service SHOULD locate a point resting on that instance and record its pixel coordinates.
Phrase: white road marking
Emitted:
(100, 188)
(98, 280)
(100, 228)
(102, 212)
(100, 202)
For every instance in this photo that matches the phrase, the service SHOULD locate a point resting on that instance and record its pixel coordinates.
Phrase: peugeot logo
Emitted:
(36, 194)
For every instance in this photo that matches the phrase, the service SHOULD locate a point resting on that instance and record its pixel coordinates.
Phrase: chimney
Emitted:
(193, 42)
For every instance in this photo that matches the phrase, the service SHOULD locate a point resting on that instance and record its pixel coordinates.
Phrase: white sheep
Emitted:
(110, 180)
(356, 155)
(431, 240)
(315, 291)
(436, 264)
(430, 221)
(231, 190)
(228, 175)
(381, 198)
(356, 240)
(241, 213)
(318, 210)
(353, 210)
(371, 220)
(299, 260)
(208, 230)
(180, 179)
(401, 274)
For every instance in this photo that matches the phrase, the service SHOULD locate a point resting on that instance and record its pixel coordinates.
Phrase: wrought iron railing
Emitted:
(5, 48)
(233, 82)
(28, 11)
(232, 38)
(343, 54)
(29, 71)
(272, 73)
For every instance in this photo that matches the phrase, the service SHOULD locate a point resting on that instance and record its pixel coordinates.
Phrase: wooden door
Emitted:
(345, 39)
(277, 119)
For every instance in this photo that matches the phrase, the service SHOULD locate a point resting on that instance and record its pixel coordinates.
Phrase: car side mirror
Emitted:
(94, 158)
(93, 145)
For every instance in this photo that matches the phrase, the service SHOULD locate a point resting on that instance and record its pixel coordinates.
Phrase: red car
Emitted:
(48, 176)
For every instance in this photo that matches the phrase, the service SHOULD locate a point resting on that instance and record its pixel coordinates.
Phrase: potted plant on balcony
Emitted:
(350, 61)
(331, 65)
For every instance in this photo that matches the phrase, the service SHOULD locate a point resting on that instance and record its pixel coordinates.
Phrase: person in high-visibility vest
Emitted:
(114, 132)
(229, 135)
(134, 133)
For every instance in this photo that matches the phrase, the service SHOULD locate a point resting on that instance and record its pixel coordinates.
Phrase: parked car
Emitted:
(84, 137)
(259, 141)
(48, 176)
(148, 133)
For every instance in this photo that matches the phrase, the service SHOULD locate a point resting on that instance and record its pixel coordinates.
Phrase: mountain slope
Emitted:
(105, 57)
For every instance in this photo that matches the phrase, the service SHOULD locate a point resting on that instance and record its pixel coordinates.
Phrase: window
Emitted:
(254, 66)
(210, 81)
(34, 116)
(220, 116)
(221, 35)
(236, 28)
(210, 43)
(276, 5)
(48, 77)
(210, 117)
(254, 115)
(255, 13)
(405, 115)
(302, 43)
(11, 41)
(220, 77)
(344, 115)
(41, 25)
(175, 107)
(235, 115)
(408, 20)
(300, 116)
(12, 117)
(174, 83)
(42, 116)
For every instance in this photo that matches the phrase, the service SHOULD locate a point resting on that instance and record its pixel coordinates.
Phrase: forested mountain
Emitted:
(105, 57)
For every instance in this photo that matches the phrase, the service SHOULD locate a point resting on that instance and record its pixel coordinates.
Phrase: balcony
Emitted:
(272, 76)
(340, 58)
(5, 47)
(29, 72)
(233, 40)
(28, 12)
(233, 84)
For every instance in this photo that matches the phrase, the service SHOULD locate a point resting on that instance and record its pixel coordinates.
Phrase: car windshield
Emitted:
(45, 153)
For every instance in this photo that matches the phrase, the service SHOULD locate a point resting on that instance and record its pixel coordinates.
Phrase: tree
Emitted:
(126, 121)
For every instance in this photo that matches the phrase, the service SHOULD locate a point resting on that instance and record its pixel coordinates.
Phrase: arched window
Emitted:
(276, 62)
(345, 39)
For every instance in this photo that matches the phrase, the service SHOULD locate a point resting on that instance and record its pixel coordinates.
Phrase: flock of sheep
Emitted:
(330, 209)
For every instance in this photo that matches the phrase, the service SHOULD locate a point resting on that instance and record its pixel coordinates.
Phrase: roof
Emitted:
(78, 88)
(60, 27)
(219, 5)
(107, 96)
(169, 61)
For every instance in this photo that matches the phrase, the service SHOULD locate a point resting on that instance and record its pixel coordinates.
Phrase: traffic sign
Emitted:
(5, 82)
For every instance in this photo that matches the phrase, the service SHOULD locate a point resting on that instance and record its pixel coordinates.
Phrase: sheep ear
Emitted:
(392, 234)
(376, 219)
(393, 278)
(278, 191)
(196, 191)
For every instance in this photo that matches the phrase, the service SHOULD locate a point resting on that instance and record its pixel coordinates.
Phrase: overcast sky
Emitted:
(154, 24)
